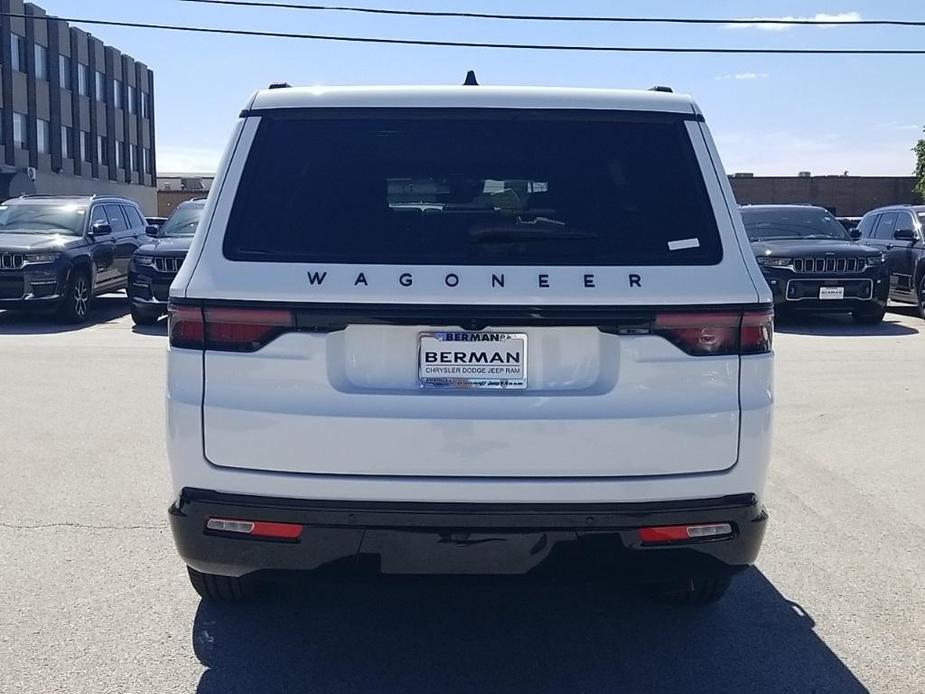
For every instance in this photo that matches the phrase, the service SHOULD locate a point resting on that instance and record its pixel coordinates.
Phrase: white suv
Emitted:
(470, 329)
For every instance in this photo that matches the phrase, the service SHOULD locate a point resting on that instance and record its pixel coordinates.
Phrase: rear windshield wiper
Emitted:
(501, 233)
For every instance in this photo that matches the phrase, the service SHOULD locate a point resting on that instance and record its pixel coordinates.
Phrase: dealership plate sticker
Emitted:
(831, 292)
(472, 360)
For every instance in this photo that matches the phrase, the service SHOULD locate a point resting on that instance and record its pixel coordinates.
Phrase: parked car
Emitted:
(156, 263)
(60, 252)
(812, 264)
(850, 224)
(156, 221)
(526, 370)
(898, 231)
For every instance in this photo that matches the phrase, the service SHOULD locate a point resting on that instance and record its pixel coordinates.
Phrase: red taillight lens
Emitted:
(185, 326)
(717, 333)
(684, 533)
(278, 531)
(227, 329)
(244, 329)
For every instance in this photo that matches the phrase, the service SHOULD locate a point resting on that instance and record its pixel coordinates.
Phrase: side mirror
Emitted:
(100, 229)
(904, 235)
(151, 230)
(854, 233)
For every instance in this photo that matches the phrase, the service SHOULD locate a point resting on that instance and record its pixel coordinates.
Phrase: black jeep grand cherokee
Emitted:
(59, 252)
(812, 264)
(156, 263)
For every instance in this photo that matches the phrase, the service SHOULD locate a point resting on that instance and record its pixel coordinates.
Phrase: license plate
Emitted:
(831, 292)
(472, 360)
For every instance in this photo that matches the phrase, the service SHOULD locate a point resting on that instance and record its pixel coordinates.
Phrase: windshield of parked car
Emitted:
(775, 224)
(532, 189)
(42, 218)
(182, 222)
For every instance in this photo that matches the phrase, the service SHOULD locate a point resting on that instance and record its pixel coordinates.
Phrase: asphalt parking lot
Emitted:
(94, 599)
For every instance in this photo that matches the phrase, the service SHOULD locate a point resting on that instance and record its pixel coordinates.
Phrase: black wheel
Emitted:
(78, 298)
(142, 317)
(691, 591)
(920, 297)
(221, 588)
(869, 316)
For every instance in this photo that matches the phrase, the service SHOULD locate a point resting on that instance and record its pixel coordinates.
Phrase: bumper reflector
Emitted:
(280, 531)
(681, 533)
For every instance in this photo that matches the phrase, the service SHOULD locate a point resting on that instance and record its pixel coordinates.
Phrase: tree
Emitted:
(919, 150)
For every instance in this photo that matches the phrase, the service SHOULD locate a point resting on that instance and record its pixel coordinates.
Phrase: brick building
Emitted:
(846, 196)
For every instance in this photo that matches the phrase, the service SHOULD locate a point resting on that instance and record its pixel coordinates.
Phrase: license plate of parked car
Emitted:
(831, 292)
(472, 360)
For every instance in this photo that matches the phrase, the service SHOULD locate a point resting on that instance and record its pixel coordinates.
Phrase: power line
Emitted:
(475, 44)
(565, 18)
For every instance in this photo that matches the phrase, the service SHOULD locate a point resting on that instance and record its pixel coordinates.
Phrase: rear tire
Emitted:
(78, 298)
(140, 317)
(920, 298)
(691, 591)
(869, 316)
(222, 588)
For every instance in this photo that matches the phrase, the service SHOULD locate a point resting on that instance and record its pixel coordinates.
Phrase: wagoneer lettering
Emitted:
(478, 329)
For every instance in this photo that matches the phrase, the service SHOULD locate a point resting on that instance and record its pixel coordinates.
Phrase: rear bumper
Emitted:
(447, 538)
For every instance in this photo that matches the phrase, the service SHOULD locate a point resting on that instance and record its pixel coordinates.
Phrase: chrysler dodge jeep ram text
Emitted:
(443, 330)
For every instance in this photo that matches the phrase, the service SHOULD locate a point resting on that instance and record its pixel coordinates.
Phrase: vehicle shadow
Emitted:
(495, 636)
(106, 309)
(837, 325)
(159, 328)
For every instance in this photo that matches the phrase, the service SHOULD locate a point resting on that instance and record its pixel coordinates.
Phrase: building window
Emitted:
(83, 80)
(41, 136)
(86, 148)
(100, 86)
(130, 98)
(19, 130)
(145, 105)
(64, 72)
(41, 62)
(117, 93)
(18, 45)
(102, 150)
(66, 135)
(146, 159)
(120, 158)
(133, 157)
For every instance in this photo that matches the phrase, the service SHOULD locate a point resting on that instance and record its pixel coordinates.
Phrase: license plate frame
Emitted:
(472, 372)
(831, 293)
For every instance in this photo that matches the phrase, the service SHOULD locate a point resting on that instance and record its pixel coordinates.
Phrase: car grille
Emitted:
(829, 264)
(11, 261)
(11, 287)
(168, 263)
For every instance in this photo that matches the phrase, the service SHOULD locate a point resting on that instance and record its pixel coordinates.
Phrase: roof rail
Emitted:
(661, 88)
(279, 85)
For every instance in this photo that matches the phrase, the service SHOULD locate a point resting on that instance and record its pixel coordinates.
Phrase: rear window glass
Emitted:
(511, 190)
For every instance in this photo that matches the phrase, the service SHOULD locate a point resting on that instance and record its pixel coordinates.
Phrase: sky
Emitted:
(770, 115)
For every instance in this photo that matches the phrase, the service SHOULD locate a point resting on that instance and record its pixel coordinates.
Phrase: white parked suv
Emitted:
(470, 329)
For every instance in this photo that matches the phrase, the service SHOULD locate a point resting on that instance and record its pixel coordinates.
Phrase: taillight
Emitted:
(703, 333)
(227, 329)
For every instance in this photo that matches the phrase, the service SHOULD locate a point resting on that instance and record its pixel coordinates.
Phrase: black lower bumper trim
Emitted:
(415, 538)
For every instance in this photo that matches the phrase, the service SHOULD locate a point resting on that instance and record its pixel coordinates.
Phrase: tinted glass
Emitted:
(42, 218)
(867, 225)
(116, 219)
(98, 215)
(775, 223)
(183, 221)
(885, 226)
(904, 220)
(524, 189)
(134, 219)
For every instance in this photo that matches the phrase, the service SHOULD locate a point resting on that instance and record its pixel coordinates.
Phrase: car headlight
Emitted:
(41, 257)
(874, 259)
(773, 261)
(144, 259)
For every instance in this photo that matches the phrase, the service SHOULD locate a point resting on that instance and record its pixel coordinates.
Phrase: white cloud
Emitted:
(176, 159)
(744, 76)
(819, 17)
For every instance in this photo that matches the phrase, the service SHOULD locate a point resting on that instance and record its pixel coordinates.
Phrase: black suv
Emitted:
(898, 232)
(812, 264)
(155, 264)
(59, 252)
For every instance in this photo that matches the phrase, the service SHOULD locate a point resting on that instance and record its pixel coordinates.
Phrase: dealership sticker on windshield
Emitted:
(472, 360)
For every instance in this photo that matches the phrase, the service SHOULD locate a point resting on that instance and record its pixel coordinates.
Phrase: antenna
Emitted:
(471, 81)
